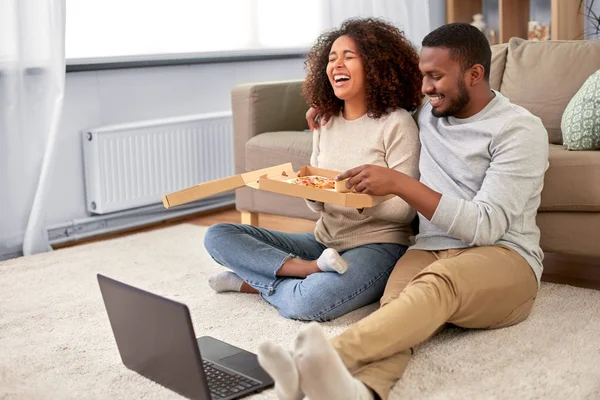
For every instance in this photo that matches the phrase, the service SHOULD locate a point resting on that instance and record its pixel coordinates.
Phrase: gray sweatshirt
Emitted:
(489, 169)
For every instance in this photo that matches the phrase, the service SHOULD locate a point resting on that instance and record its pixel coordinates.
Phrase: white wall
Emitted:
(437, 13)
(105, 97)
(100, 98)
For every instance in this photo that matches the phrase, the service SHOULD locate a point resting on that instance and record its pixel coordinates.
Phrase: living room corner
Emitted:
(111, 108)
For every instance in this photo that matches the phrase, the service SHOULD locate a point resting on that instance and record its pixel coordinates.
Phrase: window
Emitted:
(159, 29)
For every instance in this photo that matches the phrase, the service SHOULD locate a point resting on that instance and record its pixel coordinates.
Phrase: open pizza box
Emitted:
(277, 179)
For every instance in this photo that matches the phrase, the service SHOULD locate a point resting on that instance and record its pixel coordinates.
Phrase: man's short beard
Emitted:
(458, 104)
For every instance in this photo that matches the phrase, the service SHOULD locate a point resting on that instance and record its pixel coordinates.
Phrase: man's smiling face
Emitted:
(443, 82)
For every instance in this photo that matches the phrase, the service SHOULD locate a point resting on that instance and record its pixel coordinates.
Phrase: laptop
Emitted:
(156, 339)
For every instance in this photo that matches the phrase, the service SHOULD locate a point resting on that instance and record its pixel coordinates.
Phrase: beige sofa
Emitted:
(270, 129)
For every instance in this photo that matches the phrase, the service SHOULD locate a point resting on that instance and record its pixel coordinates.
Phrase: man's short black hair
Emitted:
(466, 43)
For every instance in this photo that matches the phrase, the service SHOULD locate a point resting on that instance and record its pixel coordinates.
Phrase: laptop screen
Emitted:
(155, 338)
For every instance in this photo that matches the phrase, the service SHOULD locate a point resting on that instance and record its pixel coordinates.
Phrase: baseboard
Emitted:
(11, 246)
(8, 254)
(79, 230)
(581, 271)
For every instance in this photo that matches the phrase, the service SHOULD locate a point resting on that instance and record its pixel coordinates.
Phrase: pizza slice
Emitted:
(315, 182)
(322, 182)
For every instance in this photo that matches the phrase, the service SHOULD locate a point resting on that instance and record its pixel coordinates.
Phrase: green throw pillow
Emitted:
(580, 123)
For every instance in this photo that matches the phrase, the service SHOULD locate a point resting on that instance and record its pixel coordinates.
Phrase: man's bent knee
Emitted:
(389, 296)
(407, 268)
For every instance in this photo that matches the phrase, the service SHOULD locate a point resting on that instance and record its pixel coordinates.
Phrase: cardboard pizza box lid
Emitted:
(282, 185)
(226, 184)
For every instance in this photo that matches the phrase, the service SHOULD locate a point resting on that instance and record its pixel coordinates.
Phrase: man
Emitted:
(476, 262)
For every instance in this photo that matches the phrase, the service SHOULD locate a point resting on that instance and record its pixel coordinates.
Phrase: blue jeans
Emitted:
(256, 254)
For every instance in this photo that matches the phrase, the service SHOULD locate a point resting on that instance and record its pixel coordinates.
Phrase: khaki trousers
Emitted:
(481, 287)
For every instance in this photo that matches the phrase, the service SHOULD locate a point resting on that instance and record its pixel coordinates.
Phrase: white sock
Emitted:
(330, 260)
(323, 375)
(225, 281)
(279, 363)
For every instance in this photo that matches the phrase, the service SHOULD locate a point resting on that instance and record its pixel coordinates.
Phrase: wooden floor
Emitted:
(571, 270)
(228, 214)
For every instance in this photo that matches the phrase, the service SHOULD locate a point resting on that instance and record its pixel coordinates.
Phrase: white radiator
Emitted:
(133, 165)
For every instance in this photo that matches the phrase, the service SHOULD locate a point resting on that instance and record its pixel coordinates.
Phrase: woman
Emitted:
(365, 75)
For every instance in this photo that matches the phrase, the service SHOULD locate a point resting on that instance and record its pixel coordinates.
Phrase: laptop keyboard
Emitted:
(223, 384)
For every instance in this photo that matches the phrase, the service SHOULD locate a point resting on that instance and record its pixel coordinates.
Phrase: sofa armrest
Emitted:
(265, 107)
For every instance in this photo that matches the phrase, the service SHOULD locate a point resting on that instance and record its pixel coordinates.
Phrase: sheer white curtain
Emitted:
(32, 76)
(411, 16)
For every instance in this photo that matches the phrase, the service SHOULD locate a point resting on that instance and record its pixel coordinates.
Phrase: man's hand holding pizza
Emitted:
(381, 181)
(372, 180)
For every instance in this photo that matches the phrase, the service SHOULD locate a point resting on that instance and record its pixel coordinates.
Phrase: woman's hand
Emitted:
(372, 179)
(313, 117)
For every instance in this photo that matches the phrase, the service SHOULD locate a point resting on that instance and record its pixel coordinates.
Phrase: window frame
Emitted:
(174, 59)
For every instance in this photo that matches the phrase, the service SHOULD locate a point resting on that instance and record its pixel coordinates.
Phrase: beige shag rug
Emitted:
(56, 342)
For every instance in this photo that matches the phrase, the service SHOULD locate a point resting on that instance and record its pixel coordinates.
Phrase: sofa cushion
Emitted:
(570, 232)
(252, 200)
(499, 52)
(274, 148)
(544, 76)
(572, 181)
(581, 120)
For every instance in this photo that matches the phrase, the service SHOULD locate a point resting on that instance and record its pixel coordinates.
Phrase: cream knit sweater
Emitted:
(390, 141)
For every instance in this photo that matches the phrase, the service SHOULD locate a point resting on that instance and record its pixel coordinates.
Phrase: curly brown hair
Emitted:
(393, 78)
